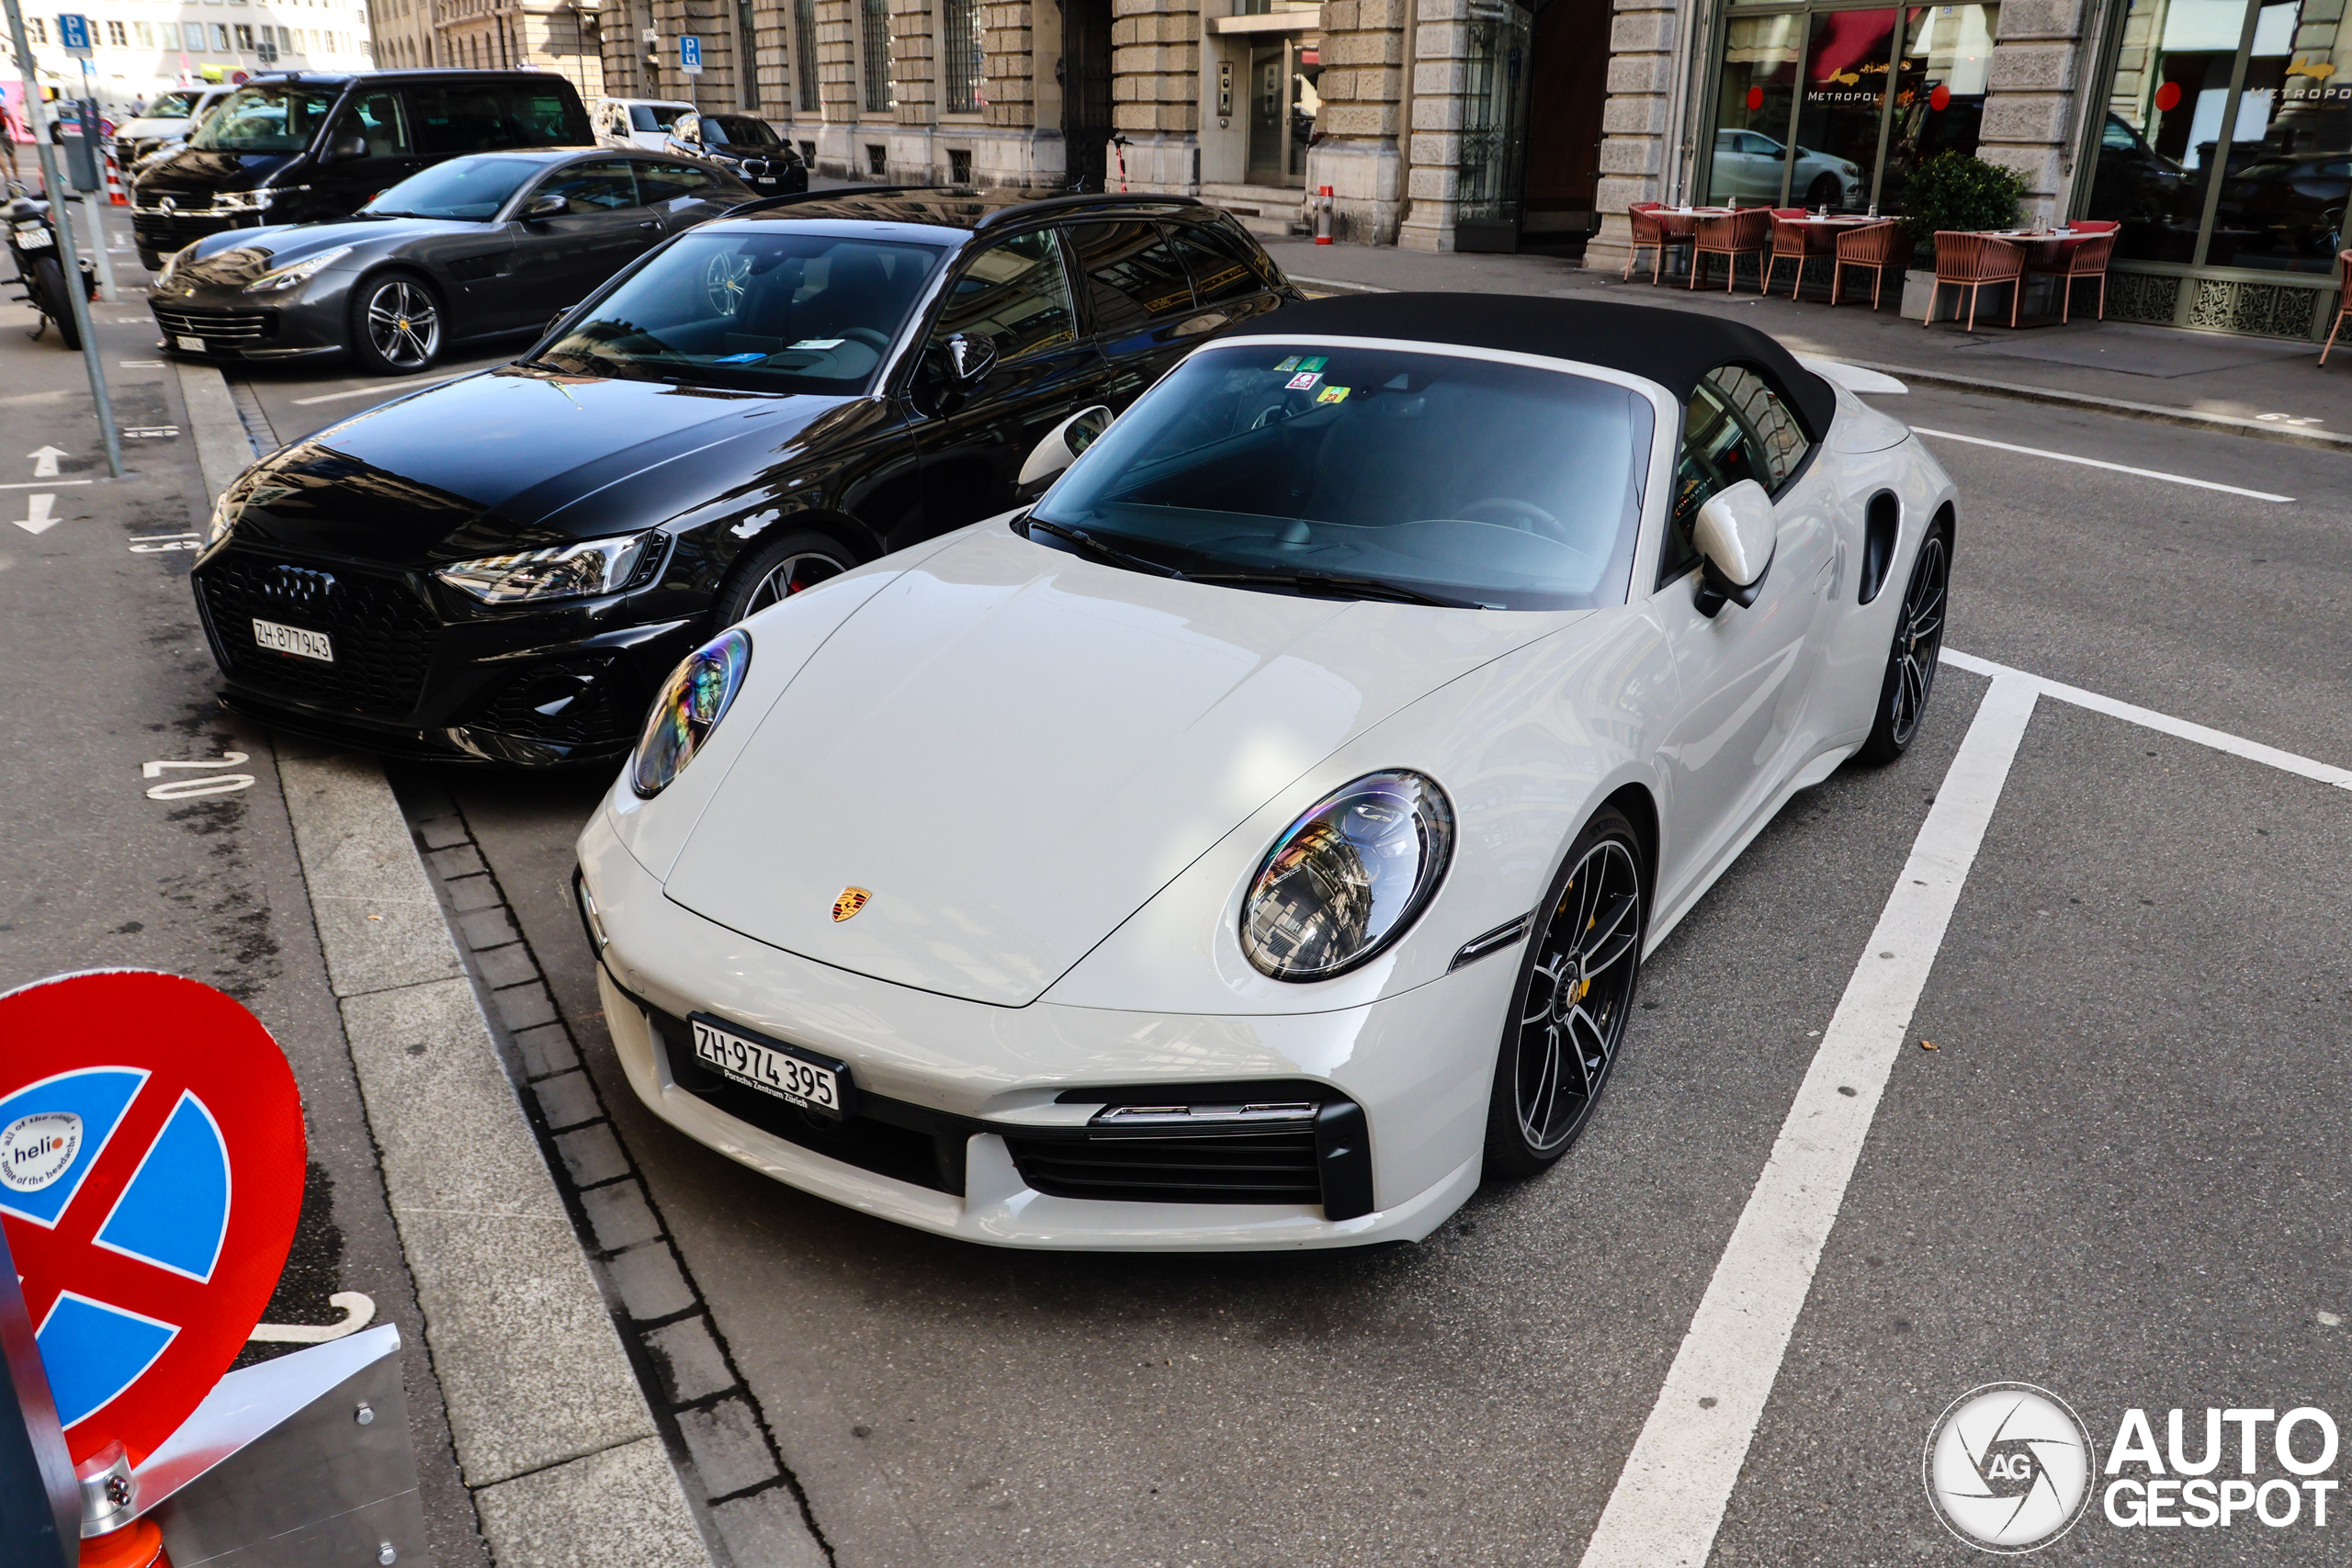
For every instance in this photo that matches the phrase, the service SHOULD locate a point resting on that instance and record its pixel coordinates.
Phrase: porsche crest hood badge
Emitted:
(852, 900)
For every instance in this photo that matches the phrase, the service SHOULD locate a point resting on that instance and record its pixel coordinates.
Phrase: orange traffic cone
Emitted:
(115, 195)
(138, 1546)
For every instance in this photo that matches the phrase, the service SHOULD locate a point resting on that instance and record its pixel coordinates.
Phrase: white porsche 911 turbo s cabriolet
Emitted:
(1258, 839)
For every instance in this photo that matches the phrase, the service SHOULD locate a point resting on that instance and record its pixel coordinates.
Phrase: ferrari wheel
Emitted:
(395, 324)
(775, 573)
(1576, 987)
(1911, 662)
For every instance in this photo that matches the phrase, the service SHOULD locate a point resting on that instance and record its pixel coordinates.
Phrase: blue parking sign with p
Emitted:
(73, 32)
(690, 54)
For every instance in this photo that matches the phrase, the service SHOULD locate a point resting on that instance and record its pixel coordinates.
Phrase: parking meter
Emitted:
(80, 139)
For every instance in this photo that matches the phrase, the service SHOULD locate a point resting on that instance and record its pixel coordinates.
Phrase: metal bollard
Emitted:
(1323, 215)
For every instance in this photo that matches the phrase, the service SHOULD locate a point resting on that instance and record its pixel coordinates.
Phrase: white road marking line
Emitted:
(2220, 740)
(2096, 463)
(43, 484)
(1669, 1499)
(358, 1311)
(142, 364)
(383, 390)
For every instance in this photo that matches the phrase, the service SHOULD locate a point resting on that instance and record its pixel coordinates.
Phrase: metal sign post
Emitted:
(75, 300)
(40, 1503)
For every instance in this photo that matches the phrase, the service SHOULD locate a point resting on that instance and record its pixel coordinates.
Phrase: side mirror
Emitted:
(1062, 445)
(548, 205)
(969, 359)
(1735, 532)
(345, 148)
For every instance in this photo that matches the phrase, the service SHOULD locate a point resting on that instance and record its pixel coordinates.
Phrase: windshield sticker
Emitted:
(1333, 395)
(739, 359)
(1287, 366)
(1303, 380)
(1314, 364)
(820, 342)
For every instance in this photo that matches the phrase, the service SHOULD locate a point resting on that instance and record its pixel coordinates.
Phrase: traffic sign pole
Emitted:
(75, 300)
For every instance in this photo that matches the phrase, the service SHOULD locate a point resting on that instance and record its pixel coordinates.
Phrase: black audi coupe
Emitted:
(503, 566)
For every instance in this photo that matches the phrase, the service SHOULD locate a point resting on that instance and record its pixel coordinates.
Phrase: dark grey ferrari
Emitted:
(477, 248)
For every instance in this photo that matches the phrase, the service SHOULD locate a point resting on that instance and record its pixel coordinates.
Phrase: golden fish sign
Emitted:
(852, 900)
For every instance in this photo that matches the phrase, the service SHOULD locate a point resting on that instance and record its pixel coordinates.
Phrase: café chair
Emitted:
(1879, 248)
(2076, 260)
(1650, 235)
(2343, 299)
(1737, 234)
(1972, 262)
(2096, 225)
(1792, 241)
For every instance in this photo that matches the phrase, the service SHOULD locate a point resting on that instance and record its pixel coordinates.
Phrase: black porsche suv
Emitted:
(505, 566)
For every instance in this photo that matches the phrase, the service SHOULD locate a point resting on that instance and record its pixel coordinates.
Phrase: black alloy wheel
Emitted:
(1911, 662)
(775, 572)
(395, 324)
(1575, 992)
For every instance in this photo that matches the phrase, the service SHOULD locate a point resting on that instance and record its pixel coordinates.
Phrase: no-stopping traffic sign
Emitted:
(150, 1172)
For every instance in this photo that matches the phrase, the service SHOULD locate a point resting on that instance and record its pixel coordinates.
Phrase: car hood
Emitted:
(514, 459)
(240, 256)
(1012, 749)
(195, 172)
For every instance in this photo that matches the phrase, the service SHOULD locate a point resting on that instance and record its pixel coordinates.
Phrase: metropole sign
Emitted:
(150, 1172)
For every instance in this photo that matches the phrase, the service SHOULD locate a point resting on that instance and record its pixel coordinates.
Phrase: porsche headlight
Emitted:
(697, 697)
(559, 571)
(1346, 879)
(293, 272)
(172, 264)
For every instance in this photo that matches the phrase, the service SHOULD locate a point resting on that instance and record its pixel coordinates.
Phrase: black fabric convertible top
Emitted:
(1673, 348)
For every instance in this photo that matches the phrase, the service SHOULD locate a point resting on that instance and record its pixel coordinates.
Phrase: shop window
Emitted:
(1753, 106)
(1939, 91)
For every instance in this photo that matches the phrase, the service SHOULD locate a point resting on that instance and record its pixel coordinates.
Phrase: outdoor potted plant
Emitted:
(1951, 191)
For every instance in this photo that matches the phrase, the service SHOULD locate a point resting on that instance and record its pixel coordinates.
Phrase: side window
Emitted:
(1016, 294)
(382, 119)
(1133, 274)
(537, 116)
(1777, 433)
(667, 182)
(1221, 269)
(591, 188)
(1717, 453)
(450, 120)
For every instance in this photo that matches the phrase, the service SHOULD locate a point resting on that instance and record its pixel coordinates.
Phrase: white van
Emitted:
(636, 123)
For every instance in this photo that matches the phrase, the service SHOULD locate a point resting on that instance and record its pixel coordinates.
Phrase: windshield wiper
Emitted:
(1336, 584)
(1097, 548)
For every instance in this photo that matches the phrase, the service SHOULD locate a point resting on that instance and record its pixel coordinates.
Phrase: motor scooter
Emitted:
(32, 244)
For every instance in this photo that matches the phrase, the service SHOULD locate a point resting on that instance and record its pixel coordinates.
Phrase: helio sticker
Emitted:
(35, 1150)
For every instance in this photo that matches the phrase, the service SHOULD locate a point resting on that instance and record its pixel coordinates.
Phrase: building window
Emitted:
(37, 29)
(804, 51)
(118, 35)
(285, 41)
(220, 38)
(959, 49)
(747, 50)
(959, 166)
(875, 18)
(2251, 95)
(877, 159)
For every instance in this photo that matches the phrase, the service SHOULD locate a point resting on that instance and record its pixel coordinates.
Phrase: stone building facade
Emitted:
(542, 35)
(1491, 124)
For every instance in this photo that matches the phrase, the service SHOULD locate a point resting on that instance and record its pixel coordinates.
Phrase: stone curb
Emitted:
(2225, 424)
(551, 1430)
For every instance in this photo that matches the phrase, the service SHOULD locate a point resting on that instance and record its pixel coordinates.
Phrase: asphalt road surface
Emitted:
(2118, 1175)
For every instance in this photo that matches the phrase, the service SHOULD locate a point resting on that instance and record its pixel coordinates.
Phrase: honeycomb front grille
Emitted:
(382, 633)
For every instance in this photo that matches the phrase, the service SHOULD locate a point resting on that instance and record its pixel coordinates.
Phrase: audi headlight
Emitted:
(697, 697)
(224, 517)
(1349, 877)
(561, 572)
(295, 273)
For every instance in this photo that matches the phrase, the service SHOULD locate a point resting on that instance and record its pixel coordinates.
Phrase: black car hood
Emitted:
(516, 460)
(199, 173)
(239, 255)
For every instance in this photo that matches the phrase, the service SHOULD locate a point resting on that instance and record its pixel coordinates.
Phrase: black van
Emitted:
(301, 146)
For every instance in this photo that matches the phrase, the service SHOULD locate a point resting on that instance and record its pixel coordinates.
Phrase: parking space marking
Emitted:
(1669, 1499)
(2220, 740)
(2096, 463)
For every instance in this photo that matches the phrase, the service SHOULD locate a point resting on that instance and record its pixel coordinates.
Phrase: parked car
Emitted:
(1747, 167)
(746, 146)
(307, 146)
(506, 566)
(171, 118)
(1256, 841)
(2283, 210)
(637, 122)
(477, 248)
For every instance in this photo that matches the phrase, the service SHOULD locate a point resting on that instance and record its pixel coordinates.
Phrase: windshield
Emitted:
(170, 105)
(656, 117)
(462, 188)
(755, 309)
(1501, 485)
(737, 130)
(274, 118)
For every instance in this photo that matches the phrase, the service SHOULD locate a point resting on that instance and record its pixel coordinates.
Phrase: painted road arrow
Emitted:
(36, 519)
(45, 461)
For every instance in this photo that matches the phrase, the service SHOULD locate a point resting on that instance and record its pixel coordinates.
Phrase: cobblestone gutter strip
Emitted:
(2163, 414)
(705, 1410)
(554, 1442)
